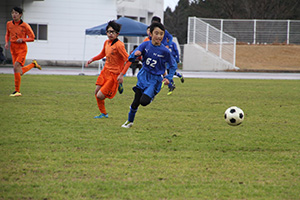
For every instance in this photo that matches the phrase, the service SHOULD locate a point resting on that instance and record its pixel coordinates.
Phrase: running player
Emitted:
(18, 33)
(156, 19)
(114, 69)
(155, 56)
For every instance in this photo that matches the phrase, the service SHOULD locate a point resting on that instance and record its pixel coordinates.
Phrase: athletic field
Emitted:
(179, 147)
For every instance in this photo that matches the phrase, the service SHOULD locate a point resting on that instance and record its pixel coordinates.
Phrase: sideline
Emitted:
(6, 69)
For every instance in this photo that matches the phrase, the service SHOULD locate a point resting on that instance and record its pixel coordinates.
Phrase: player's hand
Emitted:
(138, 53)
(166, 81)
(120, 78)
(88, 62)
(20, 40)
(6, 46)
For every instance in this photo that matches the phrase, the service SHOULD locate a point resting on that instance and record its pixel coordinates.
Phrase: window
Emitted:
(40, 31)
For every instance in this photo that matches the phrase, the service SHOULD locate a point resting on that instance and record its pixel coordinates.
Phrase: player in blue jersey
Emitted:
(175, 54)
(155, 56)
(167, 35)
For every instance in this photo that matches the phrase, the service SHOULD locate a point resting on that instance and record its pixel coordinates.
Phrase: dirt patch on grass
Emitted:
(268, 57)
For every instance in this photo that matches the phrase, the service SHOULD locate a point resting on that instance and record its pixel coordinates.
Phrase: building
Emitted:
(60, 25)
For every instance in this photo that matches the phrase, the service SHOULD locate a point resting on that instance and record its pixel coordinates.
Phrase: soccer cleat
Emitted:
(36, 65)
(181, 78)
(171, 90)
(127, 124)
(120, 88)
(162, 85)
(15, 94)
(101, 116)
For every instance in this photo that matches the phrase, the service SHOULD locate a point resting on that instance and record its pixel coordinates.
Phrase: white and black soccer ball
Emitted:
(234, 116)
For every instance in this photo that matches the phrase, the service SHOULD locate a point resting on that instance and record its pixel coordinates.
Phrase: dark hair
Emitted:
(114, 25)
(18, 9)
(155, 19)
(159, 25)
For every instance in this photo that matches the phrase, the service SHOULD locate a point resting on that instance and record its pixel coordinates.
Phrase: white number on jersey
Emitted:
(151, 62)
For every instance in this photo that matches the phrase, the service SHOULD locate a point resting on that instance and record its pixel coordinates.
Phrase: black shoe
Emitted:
(172, 88)
(181, 78)
(120, 88)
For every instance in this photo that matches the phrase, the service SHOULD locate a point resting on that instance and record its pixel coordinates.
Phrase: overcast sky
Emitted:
(170, 3)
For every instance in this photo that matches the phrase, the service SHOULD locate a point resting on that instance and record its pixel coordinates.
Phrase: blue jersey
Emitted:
(169, 36)
(155, 59)
(174, 51)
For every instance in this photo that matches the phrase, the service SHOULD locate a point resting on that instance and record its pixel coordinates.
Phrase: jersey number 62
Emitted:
(151, 62)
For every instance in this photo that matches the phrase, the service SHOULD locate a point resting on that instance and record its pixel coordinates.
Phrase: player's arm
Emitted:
(30, 34)
(137, 52)
(98, 57)
(172, 68)
(176, 52)
(127, 63)
(7, 36)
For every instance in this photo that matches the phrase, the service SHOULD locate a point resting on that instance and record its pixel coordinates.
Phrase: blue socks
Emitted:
(177, 74)
(131, 114)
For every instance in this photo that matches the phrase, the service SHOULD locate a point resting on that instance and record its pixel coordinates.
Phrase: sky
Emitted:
(170, 3)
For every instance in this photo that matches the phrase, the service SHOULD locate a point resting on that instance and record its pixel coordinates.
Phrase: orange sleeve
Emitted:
(124, 56)
(146, 39)
(126, 66)
(101, 54)
(29, 33)
(122, 51)
(7, 33)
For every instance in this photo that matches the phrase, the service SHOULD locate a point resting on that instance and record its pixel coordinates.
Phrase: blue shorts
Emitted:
(148, 83)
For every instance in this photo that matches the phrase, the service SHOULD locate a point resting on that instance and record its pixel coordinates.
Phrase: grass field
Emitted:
(179, 147)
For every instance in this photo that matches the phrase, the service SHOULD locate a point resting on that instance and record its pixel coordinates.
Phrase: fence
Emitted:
(259, 31)
(212, 39)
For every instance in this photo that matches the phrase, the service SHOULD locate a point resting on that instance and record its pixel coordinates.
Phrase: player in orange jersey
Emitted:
(18, 33)
(114, 69)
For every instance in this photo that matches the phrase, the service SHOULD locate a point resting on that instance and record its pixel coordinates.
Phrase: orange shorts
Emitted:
(18, 52)
(108, 82)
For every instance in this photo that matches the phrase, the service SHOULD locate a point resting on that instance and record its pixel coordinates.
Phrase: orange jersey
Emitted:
(116, 56)
(17, 30)
(146, 39)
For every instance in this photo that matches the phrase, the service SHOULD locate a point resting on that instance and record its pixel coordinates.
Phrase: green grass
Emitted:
(179, 147)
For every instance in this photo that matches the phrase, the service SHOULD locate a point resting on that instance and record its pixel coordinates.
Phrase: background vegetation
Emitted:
(179, 147)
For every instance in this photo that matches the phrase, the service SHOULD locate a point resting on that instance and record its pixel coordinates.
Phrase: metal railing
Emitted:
(258, 31)
(212, 39)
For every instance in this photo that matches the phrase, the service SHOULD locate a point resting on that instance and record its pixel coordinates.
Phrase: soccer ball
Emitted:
(234, 116)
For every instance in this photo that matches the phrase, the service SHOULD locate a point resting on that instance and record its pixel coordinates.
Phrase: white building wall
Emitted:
(142, 11)
(138, 9)
(196, 58)
(67, 21)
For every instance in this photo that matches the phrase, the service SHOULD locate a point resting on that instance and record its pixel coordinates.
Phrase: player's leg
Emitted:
(133, 108)
(17, 73)
(18, 52)
(180, 76)
(100, 102)
(145, 100)
(133, 65)
(34, 64)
